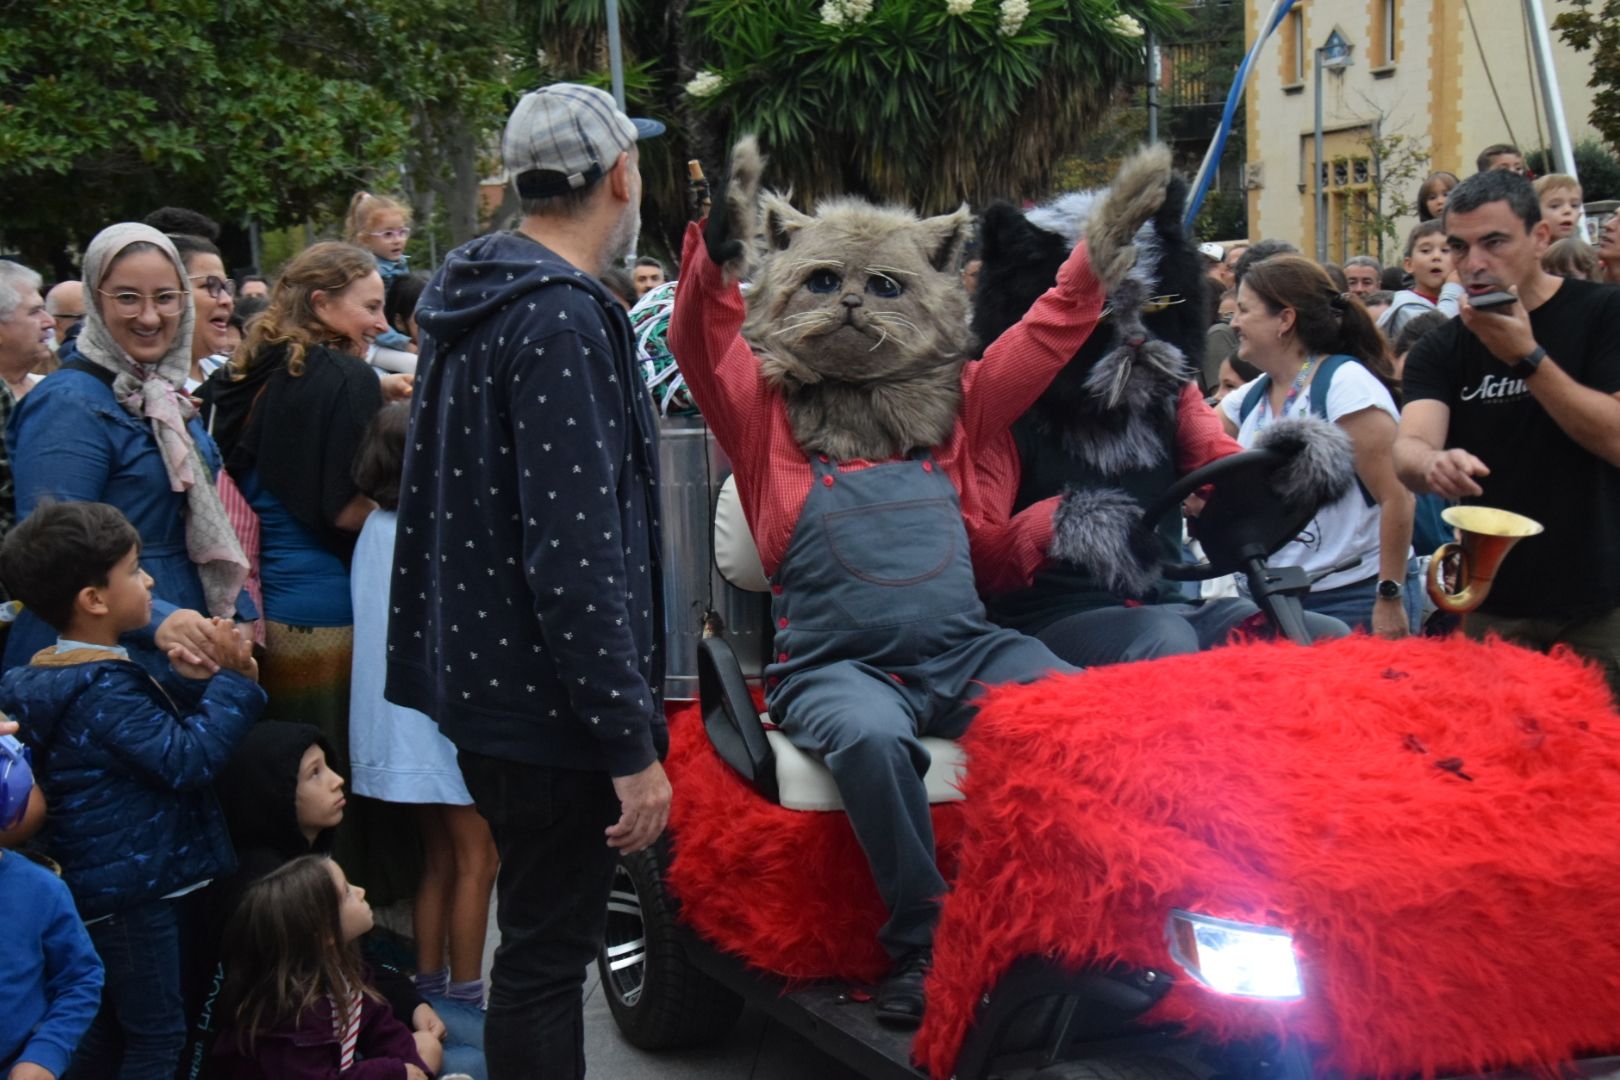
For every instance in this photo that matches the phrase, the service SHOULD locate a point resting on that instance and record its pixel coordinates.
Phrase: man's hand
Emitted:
(27, 1070)
(1389, 619)
(1451, 473)
(425, 1020)
(1505, 331)
(644, 798)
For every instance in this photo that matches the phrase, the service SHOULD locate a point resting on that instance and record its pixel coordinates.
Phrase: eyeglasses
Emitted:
(214, 285)
(166, 302)
(401, 233)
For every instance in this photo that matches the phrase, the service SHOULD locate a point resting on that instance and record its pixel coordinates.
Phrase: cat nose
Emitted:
(851, 300)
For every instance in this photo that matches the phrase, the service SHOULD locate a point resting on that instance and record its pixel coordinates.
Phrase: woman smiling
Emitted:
(115, 426)
(1318, 353)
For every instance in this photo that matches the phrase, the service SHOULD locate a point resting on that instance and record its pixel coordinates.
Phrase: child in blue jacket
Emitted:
(50, 977)
(125, 765)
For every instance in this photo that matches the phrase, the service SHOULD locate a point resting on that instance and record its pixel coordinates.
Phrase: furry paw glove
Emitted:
(1320, 466)
(1135, 195)
(1101, 530)
(734, 217)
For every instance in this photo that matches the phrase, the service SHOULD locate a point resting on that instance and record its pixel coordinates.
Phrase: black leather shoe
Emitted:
(899, 1000)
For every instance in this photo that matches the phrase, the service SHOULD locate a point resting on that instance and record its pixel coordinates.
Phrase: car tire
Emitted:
(1116, 1069)
(659, 999)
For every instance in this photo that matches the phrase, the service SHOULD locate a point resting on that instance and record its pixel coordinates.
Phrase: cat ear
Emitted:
(944, 237)
(781, 220)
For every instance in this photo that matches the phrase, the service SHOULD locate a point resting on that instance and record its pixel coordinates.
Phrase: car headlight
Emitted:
(1236, 958)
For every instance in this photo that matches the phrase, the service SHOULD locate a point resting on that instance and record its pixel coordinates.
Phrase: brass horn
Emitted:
(1487, 535)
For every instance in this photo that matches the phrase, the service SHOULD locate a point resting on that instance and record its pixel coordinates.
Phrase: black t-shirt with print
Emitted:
(1573, 568)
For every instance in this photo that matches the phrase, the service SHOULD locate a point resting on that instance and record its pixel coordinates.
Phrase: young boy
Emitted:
(1561, 203)
(1428, 260)
(50, 977)
(125, 771)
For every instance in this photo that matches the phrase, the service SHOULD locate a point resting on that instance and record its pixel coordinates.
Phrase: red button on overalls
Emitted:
(781, 624)
(781, 658)
(827, 480)
(928, 466)
(776, 590)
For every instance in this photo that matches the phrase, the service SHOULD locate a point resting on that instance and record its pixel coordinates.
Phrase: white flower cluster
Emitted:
(705, 84)
(958, 7)
(1013, 14)
(1126, 26)
(845, 12)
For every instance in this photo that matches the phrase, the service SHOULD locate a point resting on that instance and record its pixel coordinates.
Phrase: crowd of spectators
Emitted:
(210, 489)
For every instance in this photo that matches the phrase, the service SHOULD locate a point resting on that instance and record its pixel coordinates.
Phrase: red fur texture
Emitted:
(1441, 923)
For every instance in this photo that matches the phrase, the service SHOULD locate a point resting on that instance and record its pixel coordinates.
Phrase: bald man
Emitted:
(65, 304)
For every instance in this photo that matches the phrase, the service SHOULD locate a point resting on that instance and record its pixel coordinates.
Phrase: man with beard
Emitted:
(1517, 405)
(526, 604)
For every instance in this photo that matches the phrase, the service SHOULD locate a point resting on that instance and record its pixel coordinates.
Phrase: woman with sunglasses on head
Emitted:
(213, 298)
(115, 425)
(290, 412)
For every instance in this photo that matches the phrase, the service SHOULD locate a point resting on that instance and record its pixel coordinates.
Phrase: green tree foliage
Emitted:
(274, 110)
(1597, 169)
(926, 102)
(1595, 25)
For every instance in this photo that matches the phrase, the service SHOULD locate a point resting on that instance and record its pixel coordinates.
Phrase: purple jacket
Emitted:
(310, 1051)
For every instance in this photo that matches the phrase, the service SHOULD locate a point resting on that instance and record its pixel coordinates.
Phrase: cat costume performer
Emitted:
(842, 394)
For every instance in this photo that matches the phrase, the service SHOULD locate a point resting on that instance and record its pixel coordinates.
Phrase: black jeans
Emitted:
(552, 892)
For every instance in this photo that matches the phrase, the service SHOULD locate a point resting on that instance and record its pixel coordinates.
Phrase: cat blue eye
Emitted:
(886, 287)
(824, 281)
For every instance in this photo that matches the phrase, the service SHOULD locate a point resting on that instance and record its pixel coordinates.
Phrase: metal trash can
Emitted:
(691, 469)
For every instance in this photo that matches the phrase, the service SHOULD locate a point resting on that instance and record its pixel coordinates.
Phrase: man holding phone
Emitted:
(1516, 404)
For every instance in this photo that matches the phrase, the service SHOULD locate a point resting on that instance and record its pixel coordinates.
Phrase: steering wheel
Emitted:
(1242, 517)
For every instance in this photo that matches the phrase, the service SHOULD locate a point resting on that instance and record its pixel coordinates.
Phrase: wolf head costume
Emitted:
(1122, 418)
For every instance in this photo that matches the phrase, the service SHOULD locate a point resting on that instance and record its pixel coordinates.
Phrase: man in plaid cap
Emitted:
(527, 606)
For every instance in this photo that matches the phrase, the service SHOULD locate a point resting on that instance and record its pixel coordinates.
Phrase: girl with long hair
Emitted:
(1296, 327)
(296, 1002)
(1431, 200)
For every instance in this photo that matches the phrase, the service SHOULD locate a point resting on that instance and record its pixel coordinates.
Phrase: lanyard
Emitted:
(1293, 392)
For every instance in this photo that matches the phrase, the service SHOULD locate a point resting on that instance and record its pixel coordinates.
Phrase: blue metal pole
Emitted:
(1212, 159)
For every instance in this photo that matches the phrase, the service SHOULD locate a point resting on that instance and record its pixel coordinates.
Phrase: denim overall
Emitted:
(881, 638)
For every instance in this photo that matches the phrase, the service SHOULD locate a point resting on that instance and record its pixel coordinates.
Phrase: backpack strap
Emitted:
(1319, 393)
(1262, 387)
(79, 363)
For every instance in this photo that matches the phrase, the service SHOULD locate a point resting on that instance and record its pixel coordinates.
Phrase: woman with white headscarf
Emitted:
(114, 425)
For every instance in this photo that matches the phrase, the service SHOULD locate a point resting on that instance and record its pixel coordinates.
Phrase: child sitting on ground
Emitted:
(297, 1002)
(126, 773)
(50, 976)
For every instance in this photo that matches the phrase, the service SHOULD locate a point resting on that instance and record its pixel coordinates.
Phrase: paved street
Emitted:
(757, 1049)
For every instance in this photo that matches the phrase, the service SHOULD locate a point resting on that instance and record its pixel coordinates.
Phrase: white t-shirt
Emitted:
(1341, 529)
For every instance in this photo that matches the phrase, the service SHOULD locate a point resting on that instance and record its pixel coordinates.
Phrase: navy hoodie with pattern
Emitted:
(526, 614)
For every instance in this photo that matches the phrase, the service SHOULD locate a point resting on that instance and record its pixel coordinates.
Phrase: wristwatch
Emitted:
(1391, 590)
(1527, 366)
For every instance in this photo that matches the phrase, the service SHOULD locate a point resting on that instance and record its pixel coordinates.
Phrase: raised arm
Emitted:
(719, 367)
(1020, 363)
